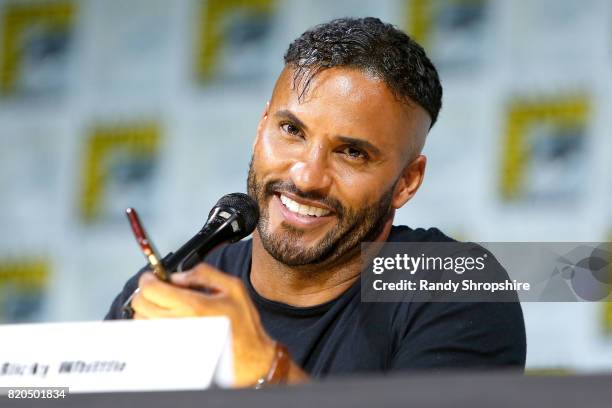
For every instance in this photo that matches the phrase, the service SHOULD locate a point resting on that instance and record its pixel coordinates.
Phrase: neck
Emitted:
(302, 287)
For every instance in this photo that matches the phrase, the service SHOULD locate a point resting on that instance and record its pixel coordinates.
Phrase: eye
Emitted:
(354, 153)
(291, 129)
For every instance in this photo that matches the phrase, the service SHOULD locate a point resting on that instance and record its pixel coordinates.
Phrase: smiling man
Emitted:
(337, 152)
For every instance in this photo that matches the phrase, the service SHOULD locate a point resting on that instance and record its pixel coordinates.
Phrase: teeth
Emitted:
(302, 209)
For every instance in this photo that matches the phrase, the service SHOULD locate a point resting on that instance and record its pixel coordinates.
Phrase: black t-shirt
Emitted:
(346, 335)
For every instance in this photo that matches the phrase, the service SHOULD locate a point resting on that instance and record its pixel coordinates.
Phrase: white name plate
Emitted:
(126, 355)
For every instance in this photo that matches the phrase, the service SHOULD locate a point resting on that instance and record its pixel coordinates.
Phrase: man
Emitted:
(337, 152)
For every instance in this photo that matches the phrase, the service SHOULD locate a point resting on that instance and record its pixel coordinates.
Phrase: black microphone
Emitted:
(231, 219)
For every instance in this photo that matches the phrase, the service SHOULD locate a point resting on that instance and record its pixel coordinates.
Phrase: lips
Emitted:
(300, 214)
(303, 209)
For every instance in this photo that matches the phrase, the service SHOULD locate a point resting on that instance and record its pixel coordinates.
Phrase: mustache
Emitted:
(281, 186)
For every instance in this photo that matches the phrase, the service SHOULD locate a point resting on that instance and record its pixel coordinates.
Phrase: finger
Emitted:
(204, 275)
(150, 310)
(138, 316)
(165, 295)
(182, 301)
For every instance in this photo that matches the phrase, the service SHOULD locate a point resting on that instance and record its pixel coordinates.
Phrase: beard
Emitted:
(353, 227)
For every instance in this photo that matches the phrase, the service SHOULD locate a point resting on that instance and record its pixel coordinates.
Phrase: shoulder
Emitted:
(459, 334)
(402, 233)
(434, 242)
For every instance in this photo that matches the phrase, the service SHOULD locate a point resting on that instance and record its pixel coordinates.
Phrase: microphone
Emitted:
(231, 219)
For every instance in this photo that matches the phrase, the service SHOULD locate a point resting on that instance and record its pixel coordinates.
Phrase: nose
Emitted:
(311, 172)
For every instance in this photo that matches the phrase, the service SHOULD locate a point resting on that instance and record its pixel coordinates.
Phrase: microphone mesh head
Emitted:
(245, 206)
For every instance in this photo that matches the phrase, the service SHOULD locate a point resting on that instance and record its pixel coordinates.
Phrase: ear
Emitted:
(409, 181)
(261, 124)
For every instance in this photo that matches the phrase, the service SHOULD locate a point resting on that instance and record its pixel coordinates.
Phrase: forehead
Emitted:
(350, 102)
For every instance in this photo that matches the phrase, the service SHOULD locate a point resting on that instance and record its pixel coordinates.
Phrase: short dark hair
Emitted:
(372, 46)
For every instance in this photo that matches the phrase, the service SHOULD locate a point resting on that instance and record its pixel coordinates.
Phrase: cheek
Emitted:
(272, 153)
(360, 189)
(357, 189)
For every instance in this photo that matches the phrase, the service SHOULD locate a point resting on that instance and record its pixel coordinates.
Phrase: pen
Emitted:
(146, 245)
(149, 252)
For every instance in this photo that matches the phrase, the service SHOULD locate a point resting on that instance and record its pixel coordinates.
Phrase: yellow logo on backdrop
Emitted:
(110, 151)
(542, 134)
(23, 24)
(215, 21)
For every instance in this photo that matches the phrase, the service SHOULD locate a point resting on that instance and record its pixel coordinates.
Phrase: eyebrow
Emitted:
(359, 143)
(289, 115)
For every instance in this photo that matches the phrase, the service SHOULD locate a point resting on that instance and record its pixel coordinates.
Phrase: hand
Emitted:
(253, 349)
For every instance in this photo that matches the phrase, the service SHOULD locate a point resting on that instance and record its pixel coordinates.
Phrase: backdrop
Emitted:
(154, 103)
